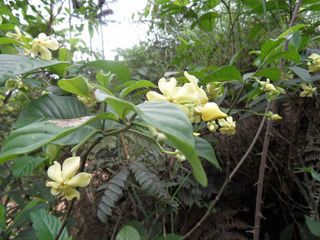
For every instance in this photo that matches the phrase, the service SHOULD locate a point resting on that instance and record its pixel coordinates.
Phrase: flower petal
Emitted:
(55, 192)
(51, 44)
(69, 167)
(192, 79)
(71, 193)
(80, 180)
(42, 36)
(45, 53)
(167, 87)
(53, 184)
(211, 111)
(55, 173)
(154, 96)
(186, 94)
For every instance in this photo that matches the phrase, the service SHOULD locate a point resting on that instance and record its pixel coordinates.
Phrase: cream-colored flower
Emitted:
(212, 126)
(210, 111)
(267, 86)
(273, 116)
(17, 35)
(167, 88)
(308, 90)
(65, 180)
(190, 92)
(42, 44)
(314, 65)
(227, 126)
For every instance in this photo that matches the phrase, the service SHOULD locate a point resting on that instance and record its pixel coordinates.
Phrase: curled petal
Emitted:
(45, 53)
(55, 173)
(71, 193)
(167, 87)
(192, 79)
(79, 180)
(51, 44)
(154, 96)
(211, 111)
(186, 94)
(55, 192)
(69, 167)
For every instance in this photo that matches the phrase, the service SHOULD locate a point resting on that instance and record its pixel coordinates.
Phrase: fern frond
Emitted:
(150, 183)
(113, 191)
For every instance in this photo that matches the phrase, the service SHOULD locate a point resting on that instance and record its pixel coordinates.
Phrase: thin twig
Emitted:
(228, 180)
(257, 218)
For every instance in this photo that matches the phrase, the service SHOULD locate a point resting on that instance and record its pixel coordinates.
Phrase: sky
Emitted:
(123, 32)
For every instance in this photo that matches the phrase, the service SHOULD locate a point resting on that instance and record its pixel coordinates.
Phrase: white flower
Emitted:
(227, 126)
(42, 44)
(65, 180)
(308, 90)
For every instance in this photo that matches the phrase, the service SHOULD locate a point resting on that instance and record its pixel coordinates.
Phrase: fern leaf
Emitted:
(150, 183)
(113, 191)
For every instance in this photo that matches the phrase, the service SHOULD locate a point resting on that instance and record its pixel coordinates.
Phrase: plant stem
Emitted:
(228, 180)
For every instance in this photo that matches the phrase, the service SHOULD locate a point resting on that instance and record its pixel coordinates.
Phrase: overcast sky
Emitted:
(123, 33)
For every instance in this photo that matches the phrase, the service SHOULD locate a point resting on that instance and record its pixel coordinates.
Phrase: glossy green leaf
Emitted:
(128, 233)
(117, 68)
(24, 166)
(173, 122)
(271, 73)
(121, 107)
(134, 86)
(47, 226)
(225, 73)
(33, 136)
(51, 106)
(13, 65)
(313, 226)
(206, 151)
(77, 85)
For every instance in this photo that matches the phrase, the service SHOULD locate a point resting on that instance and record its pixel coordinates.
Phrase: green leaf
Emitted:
(24, 166)
(269, 47)
(272, 73)
(2, 217)
(13, 65)
(134, 86)
(206, 151)
(301, 72)
(117, 68)
(77, 85)
(173, 122)
(33, 136)
(313, 226)
(128, 233)
(207, 20)
(225, 73)
(5, 41)
(47, 226)
(51, 106)
(23, 216)
(313, 173)
(121, 107)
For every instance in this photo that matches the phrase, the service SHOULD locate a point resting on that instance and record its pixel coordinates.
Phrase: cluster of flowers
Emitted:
(36, 47)
(194, 101)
